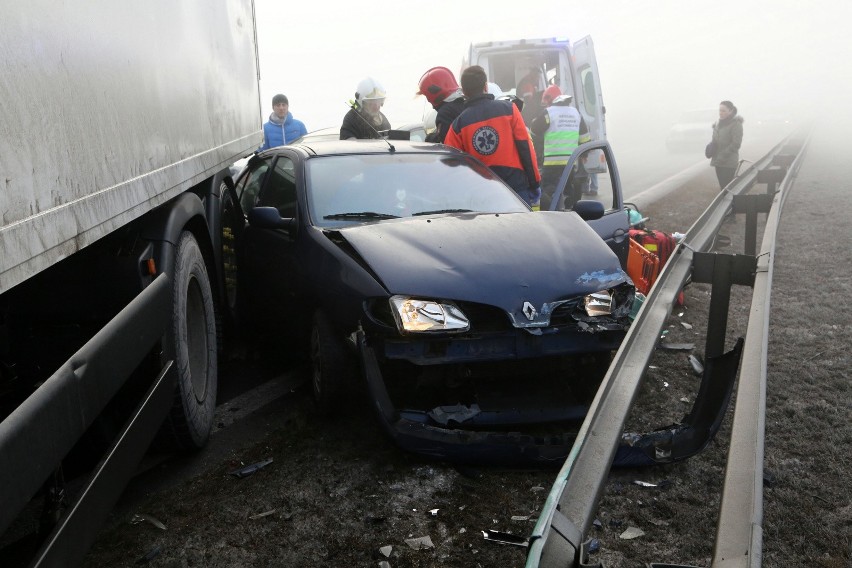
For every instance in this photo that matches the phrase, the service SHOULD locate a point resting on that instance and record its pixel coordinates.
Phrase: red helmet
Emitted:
(437, 84)
(549, 94)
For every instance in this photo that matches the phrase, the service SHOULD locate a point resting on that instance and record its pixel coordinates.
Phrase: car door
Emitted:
(268, 269)
(581, 183)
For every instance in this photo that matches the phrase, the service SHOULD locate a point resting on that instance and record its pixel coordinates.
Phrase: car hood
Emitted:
(503, 260)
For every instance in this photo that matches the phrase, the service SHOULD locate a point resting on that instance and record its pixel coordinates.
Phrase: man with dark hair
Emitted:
(494, 132)
(281, 127)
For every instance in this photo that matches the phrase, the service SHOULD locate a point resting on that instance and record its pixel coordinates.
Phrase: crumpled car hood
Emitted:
(500, 259)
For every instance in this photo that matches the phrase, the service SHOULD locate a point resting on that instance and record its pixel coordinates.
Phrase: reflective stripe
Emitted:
(562, 136)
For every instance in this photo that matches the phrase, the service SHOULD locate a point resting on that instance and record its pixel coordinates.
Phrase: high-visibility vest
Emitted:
(562, 136)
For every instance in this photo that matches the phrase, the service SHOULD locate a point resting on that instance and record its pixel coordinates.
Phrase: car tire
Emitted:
(192, 341)
(332, 365)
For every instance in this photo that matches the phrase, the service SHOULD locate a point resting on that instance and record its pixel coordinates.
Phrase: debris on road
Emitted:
(505, 538)
(631, 533)
(142, 517)
(420, 543)
(250, 469)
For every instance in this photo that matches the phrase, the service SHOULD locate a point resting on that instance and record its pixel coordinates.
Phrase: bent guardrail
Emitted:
(567, 515)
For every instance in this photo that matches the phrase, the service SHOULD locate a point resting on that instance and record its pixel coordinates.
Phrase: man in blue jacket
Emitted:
(282, 128)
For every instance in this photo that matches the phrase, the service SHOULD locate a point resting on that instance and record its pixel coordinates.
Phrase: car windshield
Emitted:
(362, 188)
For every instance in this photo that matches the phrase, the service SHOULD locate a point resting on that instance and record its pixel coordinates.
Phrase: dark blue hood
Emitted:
(498, 259)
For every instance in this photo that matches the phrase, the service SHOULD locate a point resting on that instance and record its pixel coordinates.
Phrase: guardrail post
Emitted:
(721, 271)
(771, 176)
(751, 205)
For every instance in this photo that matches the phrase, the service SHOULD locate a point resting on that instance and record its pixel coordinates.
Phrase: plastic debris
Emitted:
(661, 485)
(420, 543)
(677, 346)
(594, 545)
(457, 413)
(686, 325)
(250, 469)
(520, 517)
(152, 554)
(261, 515)
(505, 538)
(631, 533)
(537, 488)
(697, 365)
(384, 564)
(386, 550)
(597, 523)
(142, 517)
(433, 512)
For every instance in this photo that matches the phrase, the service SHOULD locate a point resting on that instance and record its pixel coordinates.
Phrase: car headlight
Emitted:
(413, 315)
(598, 303)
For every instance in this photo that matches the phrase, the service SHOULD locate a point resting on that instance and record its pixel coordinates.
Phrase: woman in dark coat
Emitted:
(728, 137)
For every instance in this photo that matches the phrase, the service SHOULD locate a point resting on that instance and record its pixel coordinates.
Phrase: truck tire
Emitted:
(192, 340)
(332, 367)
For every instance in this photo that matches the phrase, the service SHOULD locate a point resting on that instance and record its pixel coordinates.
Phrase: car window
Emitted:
(250, 184)
(590, 179)
(279, 191)
(403, 185)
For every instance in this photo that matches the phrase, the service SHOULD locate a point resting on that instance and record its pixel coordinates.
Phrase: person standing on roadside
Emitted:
(495, 133)
(558, 130)
(439, 86)
(727, 137)
(365, 119)
(281, 127)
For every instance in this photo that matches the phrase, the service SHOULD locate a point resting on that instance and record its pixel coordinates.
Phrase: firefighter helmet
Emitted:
(369, 89)
(437, 84)
(549, 95)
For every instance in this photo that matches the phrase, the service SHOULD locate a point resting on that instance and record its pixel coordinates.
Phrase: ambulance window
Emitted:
(590, 101)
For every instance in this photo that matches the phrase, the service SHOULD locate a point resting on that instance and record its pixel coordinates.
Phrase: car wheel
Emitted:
(191, 340)
(332, 366)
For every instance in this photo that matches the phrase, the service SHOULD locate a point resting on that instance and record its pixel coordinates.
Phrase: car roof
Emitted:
(349, 147)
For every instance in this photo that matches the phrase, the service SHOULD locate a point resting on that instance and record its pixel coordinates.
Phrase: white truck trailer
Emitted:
(120, 121)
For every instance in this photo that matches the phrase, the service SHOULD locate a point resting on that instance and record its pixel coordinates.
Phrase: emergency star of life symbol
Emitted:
(485, 140)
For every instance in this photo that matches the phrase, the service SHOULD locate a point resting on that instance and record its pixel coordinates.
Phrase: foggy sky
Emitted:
(655, 58)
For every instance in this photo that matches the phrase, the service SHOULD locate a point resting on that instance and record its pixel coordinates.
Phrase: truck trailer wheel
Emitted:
(192, 340)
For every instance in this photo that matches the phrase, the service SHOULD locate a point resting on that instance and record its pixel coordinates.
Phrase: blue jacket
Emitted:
(277, 134)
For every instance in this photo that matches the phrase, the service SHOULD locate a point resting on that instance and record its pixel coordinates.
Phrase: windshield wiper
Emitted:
(361, 215)
(437, 211)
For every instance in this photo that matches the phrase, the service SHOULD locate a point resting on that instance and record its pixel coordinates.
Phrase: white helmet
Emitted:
(368, 89)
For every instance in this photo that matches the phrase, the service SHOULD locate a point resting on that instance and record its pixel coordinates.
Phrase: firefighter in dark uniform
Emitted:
(365, 119)
(494, 132)
(439, 87)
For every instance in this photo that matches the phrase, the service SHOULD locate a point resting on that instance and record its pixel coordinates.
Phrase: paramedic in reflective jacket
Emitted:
(559, 128)
(494, 132)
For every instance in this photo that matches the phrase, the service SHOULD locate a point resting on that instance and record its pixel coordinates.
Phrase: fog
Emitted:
(656, 59)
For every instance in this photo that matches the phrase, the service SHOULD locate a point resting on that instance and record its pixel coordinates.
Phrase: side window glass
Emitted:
(590, 102)
(590, 179)
(280, 189)
(250, 185)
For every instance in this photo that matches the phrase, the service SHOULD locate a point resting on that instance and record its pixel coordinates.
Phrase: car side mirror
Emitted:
(589, 209)
(270, 218)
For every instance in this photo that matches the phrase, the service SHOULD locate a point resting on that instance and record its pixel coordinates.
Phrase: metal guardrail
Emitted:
(567, 515)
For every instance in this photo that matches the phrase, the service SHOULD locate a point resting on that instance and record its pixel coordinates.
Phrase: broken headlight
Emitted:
(413, 315)
(598, 303)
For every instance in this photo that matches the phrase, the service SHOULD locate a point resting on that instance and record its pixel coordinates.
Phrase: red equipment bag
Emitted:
(660, 243)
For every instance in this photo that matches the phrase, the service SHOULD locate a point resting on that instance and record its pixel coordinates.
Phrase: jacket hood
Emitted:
(500, 259)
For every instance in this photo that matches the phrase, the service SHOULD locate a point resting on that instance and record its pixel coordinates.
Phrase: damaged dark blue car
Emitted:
(478, 328)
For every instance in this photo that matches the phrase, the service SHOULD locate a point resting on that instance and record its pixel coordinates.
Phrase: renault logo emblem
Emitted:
(529, 311)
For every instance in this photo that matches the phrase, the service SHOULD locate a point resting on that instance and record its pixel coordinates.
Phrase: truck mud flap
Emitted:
(414, 434)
